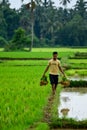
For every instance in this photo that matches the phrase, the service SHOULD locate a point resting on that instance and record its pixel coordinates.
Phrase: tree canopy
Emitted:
(52, 26)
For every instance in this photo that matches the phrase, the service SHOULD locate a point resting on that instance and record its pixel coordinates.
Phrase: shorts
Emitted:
(53, 79)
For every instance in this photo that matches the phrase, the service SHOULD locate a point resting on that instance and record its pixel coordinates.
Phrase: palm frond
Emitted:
(22, 0)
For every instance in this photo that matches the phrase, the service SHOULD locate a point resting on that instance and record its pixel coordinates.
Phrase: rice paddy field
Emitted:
(22, 99)
(42, 52)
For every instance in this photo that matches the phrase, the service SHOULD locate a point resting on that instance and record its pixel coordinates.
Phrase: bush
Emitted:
(17, 41)
(80, 83)
(3, 42)
(36, 42)
(20, 41)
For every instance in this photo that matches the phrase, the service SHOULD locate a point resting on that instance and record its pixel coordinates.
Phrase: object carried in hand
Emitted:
(43, 81)
(65, 82)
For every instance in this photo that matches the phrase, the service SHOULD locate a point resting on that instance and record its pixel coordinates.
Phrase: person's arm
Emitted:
(46, 70)
(60, 68)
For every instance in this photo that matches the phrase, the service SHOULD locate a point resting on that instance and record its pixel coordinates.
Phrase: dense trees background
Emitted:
(52, 26)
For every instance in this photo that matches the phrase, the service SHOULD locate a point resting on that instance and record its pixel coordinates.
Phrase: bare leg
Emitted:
(55, 86)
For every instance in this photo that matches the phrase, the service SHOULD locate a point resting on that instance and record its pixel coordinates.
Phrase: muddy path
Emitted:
(47, 109)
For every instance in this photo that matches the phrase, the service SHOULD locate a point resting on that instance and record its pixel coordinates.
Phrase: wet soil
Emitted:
(47, 109)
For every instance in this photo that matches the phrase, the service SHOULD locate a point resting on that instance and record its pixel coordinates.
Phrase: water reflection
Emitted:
(77, 78)
(73, 104)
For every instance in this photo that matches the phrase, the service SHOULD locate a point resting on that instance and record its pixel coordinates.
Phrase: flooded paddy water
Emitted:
(77, 78)
(73, 103)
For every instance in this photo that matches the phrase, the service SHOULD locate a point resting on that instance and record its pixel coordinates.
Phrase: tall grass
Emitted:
(21, 98)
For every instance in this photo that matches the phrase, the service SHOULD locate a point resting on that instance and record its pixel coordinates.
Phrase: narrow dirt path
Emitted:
(47, 109)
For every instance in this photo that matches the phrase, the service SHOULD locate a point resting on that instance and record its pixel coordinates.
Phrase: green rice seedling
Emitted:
(21, 98)
(42, 126)
(77, 72)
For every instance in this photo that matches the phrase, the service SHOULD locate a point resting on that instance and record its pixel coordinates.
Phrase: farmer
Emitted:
(53, 66)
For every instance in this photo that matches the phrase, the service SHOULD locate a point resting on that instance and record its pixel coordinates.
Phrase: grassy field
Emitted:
(42, 53)
(78, 61)
(59, 49)
(80, 72)
(22, 99)
(24, 63)
(56, 49)
(33, 54)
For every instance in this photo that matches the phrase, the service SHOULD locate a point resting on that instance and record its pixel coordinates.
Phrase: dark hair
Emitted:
(55, 52)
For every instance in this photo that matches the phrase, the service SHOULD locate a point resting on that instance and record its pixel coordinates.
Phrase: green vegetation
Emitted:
(68, 123)
(77, 66)
(24, 63)
(43, 81)
(22, 98)
(42, 126)
(1, 49)
(77, 72)
(80, 55)
(60, 49)
(79, 83)
(31, 54)
(79, 61)
(54, 112)
(51, 25)
(18, 40)
(42, 53)
(3, 42)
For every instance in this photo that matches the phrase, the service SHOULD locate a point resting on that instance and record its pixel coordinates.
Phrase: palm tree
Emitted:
(81, 7)
(45, 3)
(31, 6)
(64, 2)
